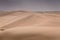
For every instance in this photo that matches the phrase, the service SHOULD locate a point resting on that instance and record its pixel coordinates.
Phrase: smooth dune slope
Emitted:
(31, 33)
(26, 25)
(22, 18)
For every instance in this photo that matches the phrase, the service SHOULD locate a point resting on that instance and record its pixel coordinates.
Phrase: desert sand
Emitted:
(31, 33)
(22, 18)
(50, 21)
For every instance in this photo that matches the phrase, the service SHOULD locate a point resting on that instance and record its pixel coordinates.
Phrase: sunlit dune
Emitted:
(29, 25)
(26, 18)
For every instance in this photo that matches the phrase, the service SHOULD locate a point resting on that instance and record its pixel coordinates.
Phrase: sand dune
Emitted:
(22, 18)
(27, 25)
(8, 19)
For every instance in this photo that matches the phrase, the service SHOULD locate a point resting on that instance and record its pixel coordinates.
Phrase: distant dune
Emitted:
(28, 18)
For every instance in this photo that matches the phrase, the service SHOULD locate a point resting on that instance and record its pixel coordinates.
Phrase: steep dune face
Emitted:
(22, 18)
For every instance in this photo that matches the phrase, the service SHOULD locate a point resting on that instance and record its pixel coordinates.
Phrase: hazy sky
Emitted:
(35, 5)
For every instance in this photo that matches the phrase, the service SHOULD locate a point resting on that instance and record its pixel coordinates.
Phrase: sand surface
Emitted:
(14, 19)
(49, 21)
(31, 33)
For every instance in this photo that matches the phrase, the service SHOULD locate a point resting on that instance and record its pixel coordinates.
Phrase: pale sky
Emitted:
(34, 5)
